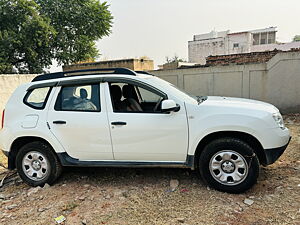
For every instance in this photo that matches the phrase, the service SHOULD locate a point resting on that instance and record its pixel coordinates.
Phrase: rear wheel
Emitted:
(229, 165)
(37, 164)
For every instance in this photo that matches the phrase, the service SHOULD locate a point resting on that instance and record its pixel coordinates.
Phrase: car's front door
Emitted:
(78, 119)
(139, 130)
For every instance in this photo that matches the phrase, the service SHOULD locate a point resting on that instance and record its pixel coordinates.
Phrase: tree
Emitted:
(35, 32)
(25, 37)
(175, 58)
(296, 38)
(78, 23)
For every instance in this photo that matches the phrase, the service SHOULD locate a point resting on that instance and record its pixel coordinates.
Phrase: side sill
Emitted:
(67, 160)
(190, 161)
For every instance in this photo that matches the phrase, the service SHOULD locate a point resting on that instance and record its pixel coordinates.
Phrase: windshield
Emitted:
(179, 93)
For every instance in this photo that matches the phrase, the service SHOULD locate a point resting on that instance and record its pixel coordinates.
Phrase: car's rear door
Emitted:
(78, 119)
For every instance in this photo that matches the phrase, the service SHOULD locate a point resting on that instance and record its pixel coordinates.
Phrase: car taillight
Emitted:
(2, 120)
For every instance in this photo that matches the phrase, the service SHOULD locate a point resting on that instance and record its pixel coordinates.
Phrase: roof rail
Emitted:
(50, 76)
(143, 72)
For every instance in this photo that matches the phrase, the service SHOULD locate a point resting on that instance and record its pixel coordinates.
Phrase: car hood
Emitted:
(242, 103)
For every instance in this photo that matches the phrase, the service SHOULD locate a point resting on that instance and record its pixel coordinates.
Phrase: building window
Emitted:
(271, 37)
(235, 45)
(255, 39)
(263, 38)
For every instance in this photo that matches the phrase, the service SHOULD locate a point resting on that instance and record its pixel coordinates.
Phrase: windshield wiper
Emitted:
(201, 99)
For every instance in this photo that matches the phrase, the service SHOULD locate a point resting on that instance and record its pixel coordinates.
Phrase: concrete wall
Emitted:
(244, 40)
(133, 64)
(276, 82)
(199, 49)
(8, 83)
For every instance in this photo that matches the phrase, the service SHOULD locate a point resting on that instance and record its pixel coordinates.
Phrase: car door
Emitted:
(147, 135)
(78, 119)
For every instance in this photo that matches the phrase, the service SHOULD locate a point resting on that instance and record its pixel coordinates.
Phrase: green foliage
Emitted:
(34, 32)
(78, 24)
(173, 59)
(296, 38)
(25, 37)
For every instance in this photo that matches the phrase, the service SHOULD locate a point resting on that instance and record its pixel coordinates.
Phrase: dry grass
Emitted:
(3, 159)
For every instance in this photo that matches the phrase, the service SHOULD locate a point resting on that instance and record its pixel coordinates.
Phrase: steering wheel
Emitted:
(157, 105)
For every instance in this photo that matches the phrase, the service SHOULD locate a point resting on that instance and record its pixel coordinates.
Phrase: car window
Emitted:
(164, 85)
(148, 96)
(37, 98)
(79, 98)
(87, 88)
(126, 97)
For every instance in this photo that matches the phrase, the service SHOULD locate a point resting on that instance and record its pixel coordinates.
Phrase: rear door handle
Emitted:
(59, 122)
(120, 123)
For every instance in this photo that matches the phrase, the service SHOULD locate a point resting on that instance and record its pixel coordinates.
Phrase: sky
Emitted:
(160, 28)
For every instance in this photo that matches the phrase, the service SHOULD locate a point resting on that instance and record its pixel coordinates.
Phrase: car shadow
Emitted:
(130, 176)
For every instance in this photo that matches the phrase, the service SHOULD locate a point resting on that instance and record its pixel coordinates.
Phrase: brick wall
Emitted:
(244, 58)
(133, 64)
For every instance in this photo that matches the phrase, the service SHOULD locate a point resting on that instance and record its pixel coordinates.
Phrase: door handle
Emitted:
(120, 123)
(59, 122)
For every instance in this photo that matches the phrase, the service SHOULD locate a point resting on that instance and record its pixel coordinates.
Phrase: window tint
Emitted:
(79, 98)
(127, 97)
(37, 98)
(148, 96)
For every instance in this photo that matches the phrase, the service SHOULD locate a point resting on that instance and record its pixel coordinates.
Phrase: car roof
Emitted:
(68, 77)
(84, 73)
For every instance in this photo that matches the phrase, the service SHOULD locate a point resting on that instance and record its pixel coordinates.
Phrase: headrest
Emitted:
(83, 93)
(116, 92)
(128, 91)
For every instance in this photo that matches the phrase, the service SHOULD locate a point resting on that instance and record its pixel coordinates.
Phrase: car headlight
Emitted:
(279, 120)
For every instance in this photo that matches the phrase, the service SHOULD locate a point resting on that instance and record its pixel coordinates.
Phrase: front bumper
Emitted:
(273, 154)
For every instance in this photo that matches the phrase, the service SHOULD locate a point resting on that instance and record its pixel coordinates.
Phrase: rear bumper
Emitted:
(5, 153)
(10, 160)
(273, 154)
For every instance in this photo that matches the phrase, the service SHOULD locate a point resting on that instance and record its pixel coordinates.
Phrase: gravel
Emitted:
(248, 201)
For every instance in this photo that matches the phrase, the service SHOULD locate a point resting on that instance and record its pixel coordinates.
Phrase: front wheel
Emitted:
(229, 165)
(37, 164)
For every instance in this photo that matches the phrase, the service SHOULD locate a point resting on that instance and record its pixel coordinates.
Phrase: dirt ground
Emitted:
(143, 196)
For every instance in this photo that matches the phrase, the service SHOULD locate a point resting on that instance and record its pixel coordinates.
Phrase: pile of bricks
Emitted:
(244, 58)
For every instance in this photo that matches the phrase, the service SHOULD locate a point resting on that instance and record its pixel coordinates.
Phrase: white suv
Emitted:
(121, 118)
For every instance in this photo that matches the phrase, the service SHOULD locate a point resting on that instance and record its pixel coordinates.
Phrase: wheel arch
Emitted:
(18, 143)
(248, 138)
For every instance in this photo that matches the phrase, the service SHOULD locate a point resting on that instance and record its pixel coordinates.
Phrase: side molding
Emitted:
(67, 160)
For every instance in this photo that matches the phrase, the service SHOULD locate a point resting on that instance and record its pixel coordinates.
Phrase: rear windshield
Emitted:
(37, 98)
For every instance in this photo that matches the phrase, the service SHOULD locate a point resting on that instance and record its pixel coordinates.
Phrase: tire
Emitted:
(229, 165)
(37, 164)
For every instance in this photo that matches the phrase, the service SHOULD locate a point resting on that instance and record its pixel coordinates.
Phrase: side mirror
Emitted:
(169, 106)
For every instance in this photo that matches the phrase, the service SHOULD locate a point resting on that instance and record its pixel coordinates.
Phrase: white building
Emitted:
(225, 43)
